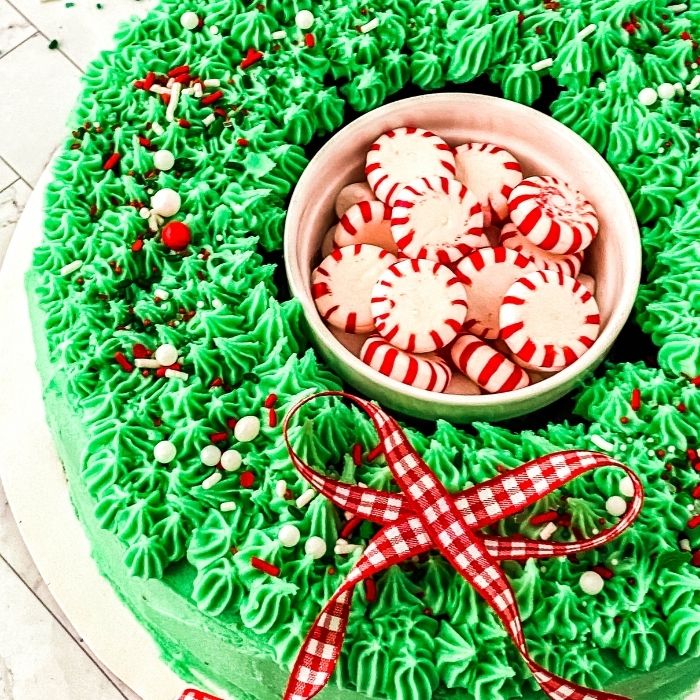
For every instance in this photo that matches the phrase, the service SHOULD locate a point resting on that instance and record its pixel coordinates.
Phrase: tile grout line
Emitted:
(14, 182)
(38, 31)
(63, 627)
(24, 41)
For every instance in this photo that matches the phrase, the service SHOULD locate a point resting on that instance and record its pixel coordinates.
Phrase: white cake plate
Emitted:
(36, 489)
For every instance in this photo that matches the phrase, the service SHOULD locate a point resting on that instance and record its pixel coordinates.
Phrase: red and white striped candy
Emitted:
(342, 286)
(553, 215)
(543, 259)
(352, 194)
(419, 305)
(488, 273)
(437, 218)
(366, 222)
(427, 371)
(548, 320)
(491, 173)
(402, 155)
(490, 369)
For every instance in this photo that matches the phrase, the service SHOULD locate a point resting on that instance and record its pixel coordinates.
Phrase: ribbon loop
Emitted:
(425, 516)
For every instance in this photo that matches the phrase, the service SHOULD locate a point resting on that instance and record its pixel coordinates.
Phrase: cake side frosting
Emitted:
(240, 343)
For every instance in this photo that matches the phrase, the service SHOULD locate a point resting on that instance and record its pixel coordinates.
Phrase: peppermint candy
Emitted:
(366, 222)
(546, 260)
(342, 286)
(490, 172)
(552, 214)
(401, 155)
(487, 367)
(437, 218)
(427, 371)
(488, 273)
(548, 320)
(401, 313)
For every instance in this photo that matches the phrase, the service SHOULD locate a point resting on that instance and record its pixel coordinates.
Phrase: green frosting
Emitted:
(181, 562)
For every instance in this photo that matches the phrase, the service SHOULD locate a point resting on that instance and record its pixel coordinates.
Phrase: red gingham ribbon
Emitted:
(423, 517)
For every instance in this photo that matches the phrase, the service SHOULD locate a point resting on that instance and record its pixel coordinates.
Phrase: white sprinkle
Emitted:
(187, 91)
(209, 119)
(289, 535)
(602, 86)
(216, 303)
(369, 26)
(219, 238)
(666, 91)
(281, 488)
(227, 506)
(304, 19)
(344, 547)
(601, 443)
(166, 354)
(348, 515)
(691, 507)
(176, 374)
(70, 268)
(616, 505)
(214, 30)
(680, 7)
(693, 83)
(306, 498)
(231, 460)
(315, 547)
(627, 486)
(144, 212)
(247, 428)
(671, 449)
(200, 304)
(189, 20)
(198, 90)
(146, 363)
(591, 582)
(679, 88)
(157, 128)
(170, 82)
(647, 96)
(586, 31)
(614, 562)
(210, 455)
(161, 294)
(547, 531)
(595, 530)
(153, 221)
(623, 448)
(279, 34)
(159, 90)
(684, 544)
(174, 98)
(211, 82)
(164, 452)
(212, 480)
(541, 65)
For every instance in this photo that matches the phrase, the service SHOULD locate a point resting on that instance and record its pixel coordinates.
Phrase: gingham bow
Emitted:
(424, 516)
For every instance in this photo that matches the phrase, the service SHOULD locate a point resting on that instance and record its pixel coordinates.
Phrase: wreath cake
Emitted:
(227, 566)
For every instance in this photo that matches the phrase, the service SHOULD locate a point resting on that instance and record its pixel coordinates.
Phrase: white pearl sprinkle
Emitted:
(214, 30)
(164, 452)
(189, 20)
(289, 535)
(626, 487)
(166, 354)
(144, 212)
(212, 480)
(614, 562)
(247, 428)
(210, 455)
(231, 460)
(591, 582)
(163, 160)
(671, 449)
(200, 304)
(165, 202)
(616, 505)
(305, 19)
(216, 303)
(315, 547)
(666, 91)
(647, 96)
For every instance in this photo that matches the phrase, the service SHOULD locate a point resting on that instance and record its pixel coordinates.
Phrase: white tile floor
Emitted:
(41, 655)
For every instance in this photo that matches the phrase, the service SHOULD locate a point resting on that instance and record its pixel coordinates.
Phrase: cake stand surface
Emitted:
(34, 482)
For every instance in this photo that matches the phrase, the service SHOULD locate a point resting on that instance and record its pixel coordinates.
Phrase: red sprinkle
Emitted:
(624, 420)
(310, 40)
(378, 451)
(111, 161)
(160, 372)
(140, 351)
(137, 245)
(370, 590)
(247, 479)
(253, 56)
(357, 454)
(692, 454)
(217, 381)
(211, 98)
(165, 97)
(695, 559)
(138, 84)
(694, 522)
(144, 141)
(220, 111)
(695, 381)
(183, 79)
(231, 422)
(350, 526)
(636, 400)
(150, 79)
(218, 437)
(541, 518)
(682, 407)
(270, 401)
(264, 566)
(178, 70)
(123, 362)
(242, 142)
(603, 572)
(272, 418)
(686, 36)
(184, 123)
(696, 491)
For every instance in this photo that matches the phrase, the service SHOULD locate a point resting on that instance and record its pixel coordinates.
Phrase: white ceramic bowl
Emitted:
(544, 147)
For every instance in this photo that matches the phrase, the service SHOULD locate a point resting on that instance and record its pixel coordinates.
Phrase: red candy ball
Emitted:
(176, 235)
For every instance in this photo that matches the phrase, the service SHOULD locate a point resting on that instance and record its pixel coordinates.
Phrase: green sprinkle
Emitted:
(53, 44)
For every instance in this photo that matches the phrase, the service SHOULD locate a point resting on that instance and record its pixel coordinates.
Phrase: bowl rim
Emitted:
(589, 360)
